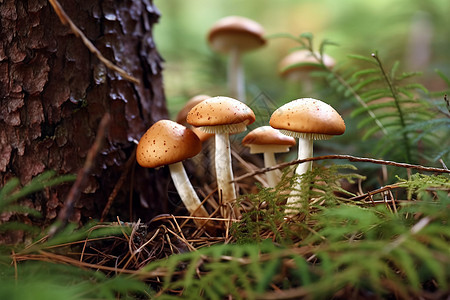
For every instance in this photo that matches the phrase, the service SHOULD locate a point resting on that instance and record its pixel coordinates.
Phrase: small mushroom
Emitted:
(307, 119)
(169, 143)
(268, 141)
(182, 114)
(298, 65)
(233, 36)
(222, 116)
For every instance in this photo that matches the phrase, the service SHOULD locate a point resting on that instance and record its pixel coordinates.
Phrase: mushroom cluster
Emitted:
(306, 119)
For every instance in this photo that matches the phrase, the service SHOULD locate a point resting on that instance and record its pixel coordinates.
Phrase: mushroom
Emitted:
(234, 35)
(297, 65)
(182, 114)
(268, 141)
(206, 157)
(169, 143)
(222, 116)
(307, 119)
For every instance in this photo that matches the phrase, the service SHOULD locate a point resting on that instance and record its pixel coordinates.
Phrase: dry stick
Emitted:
(118, 185)
(347, 157)
(83, 174)
(64, 18)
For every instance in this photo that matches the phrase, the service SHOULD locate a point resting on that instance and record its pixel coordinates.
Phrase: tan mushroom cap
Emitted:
(221, 114)
(266, 135)
(166, 142)
(308, 118)
(236, 32)
(302, 60)
(267, 139)
(182, 114)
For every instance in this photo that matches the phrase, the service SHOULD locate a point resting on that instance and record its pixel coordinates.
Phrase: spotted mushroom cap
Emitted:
(221, 114)
(165, 143)
(236, 32)
(181, 116)
(308, 118)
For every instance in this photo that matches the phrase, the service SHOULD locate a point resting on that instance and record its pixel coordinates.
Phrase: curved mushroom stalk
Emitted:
(168, 143)
(305, 150)
(224, 172)
(187, 192)
(236, 81)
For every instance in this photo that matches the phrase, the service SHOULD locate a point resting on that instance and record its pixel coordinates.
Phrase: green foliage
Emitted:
(339, 247)
(39, 280)
(391, 107)
(267, 218)
(47, 280)
(364, 250)
(11, 192)
(398, 249)
(396, 108)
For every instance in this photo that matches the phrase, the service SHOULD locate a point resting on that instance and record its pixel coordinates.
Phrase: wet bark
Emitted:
(54, 92)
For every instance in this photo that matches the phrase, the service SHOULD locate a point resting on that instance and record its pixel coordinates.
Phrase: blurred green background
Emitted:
(414, 32)
(359, 27)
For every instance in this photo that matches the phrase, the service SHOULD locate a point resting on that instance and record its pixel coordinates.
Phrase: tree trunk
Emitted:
(54, 92)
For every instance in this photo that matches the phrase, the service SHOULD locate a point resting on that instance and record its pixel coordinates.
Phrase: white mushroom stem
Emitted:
(273, 177)
(187, 192)
(236, 81)
(224, 172)
(305, 150)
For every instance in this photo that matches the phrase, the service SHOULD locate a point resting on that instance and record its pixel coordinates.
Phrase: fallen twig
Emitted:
(82, 177)
(347, 157)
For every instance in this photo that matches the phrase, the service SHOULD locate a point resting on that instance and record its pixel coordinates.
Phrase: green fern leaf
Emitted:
(362, 58)
(372, 107)
(370, 132)
(406, 263)
(365, 72)
(406, 75)
(429, 262)
(369, 121)
(366, 82)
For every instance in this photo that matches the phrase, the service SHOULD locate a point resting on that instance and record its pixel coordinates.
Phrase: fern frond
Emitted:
(10, 192)
(362, 58)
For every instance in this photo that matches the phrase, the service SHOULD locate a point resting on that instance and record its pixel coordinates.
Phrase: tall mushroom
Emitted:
(169, 143)
(307, 119)
(268, 141)
(233, 36)
(297, 65)
(222, 116)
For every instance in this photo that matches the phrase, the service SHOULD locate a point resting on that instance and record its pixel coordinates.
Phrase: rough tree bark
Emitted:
(54, 92)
